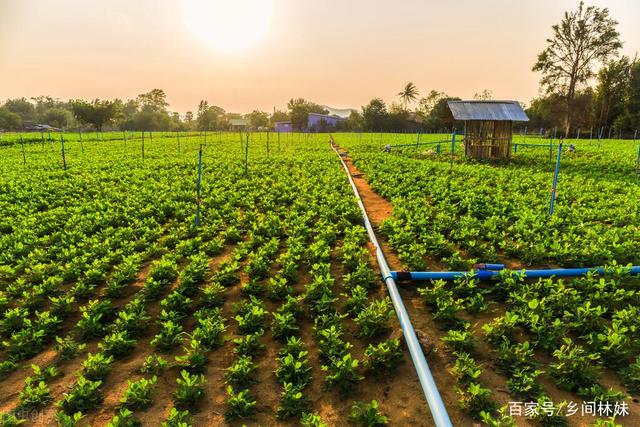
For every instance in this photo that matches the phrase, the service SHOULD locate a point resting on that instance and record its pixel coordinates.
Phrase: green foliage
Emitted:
(294, 368)
(96, 366)
(170, 336)
(573, 367)
(374, 318)
(65, 420)
(153, 365)
(117, 344)
(241, 372)
(475, 399)
(124, 418)
(190, 390)
(138, 394)
(343, 374)
(367, 415)
(283, 325)
(460, 340)
(384, 356)
(84, 396)
(292, 401)
(178, 418)
(240, 404)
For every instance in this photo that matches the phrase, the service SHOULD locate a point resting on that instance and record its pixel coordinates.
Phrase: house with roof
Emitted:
(488, 126)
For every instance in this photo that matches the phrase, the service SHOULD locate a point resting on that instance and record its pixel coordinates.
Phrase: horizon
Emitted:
(334, 54)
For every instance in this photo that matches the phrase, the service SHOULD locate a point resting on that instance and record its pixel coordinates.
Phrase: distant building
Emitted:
(282, 126)
(238, 124)
(36, 127)
(488, 126)
(322, 122)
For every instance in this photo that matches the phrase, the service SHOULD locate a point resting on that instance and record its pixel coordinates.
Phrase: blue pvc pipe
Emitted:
(494, 274)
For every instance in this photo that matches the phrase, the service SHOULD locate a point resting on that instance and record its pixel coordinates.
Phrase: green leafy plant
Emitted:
(240, 404)
(294, 368)
(118, 344)
(178, 418)
(241, 372)
(96, 366)
(84, 396)
(384, 356)
(292, 401)
(190, 390)
(65, 420)
(170, 336)
(153, 365)
(124, 418)
(283, 325)
(138, 394)
(367, 415)
(374, 318)
(343, 374)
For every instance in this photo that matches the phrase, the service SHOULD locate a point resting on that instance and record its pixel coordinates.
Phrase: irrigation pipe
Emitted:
(429, 387)
(490, 274)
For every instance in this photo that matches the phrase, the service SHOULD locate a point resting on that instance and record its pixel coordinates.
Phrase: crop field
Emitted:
(117, 309)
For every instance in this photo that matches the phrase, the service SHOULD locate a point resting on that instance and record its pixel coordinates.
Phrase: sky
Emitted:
(257, 54)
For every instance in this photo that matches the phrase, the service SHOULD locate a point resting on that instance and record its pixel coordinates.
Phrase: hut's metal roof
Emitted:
(487, 110)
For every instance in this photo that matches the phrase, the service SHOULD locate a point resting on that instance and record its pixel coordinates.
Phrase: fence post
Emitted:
(638, 161)
(551, 137)
(453, 148)
(198, 186)
(267, 143)
(142, 145)
(178, 136)
(246, 155)
(24, 155)
(64, 159)
(555, 180)
(590, 133)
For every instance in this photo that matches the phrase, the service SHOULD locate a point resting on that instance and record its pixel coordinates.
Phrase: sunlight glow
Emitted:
(228, 25)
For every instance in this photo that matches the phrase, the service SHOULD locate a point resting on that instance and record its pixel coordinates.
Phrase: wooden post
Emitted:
(198, 186)
(453, 148)
(246, 155)
(142, 145)
(24, 155)
(64, 159)
(267, 143)
(555, 180)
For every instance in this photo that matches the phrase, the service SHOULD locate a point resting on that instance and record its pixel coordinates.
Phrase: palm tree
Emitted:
(408, 94)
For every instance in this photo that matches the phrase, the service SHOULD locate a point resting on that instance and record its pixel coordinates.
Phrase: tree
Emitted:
(630, 118)
(209, 117)
(155, 100)
(299, 110)
(278, 116)
(57, 117)
(97, 113)
(258, 119)
(485, 95)
(427, 103)
(609, 99)
(375, 115)
(22, 108)
(9, 120)
(408, 94)
(583, 38)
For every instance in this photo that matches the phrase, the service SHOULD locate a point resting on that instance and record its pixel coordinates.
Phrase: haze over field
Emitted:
(260, 54)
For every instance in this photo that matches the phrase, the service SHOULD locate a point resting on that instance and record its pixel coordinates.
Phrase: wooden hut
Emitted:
(488, 126)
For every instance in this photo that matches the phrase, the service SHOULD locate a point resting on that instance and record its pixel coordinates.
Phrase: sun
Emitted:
(228, 25)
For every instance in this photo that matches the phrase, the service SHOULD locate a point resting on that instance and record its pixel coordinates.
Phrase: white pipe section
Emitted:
(438, 410)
